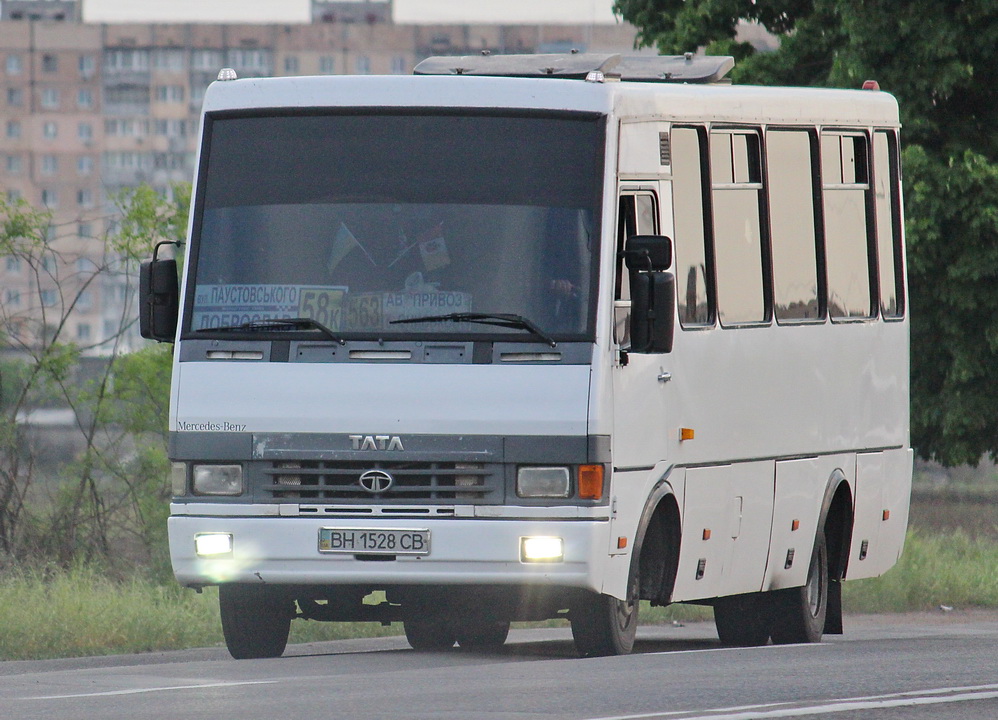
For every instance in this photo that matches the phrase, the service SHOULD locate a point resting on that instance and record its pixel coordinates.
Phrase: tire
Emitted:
(743, 620)
(482, 634)
(603, 625)
(255, 621)
(799, 613)
(429, 633)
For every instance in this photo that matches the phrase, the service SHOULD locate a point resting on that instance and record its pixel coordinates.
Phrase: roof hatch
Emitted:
(688, 68)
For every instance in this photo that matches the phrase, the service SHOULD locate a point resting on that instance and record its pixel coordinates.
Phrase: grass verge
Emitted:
(81, 612)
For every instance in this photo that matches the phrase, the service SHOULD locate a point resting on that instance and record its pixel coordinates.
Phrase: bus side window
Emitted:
(696, 306)
(736, 183)
(637, 215)
(845, 178)
(887, 186)
(792, 197)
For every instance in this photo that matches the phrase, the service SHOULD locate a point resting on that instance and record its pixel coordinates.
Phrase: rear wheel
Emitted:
(429, 632)
(743, 620)
(799, 613)
(255, 621)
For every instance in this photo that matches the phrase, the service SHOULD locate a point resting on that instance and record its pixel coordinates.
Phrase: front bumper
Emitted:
(284, 550)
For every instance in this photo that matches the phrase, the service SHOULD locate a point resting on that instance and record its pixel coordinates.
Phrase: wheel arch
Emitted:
(836, 520)
(657, 543)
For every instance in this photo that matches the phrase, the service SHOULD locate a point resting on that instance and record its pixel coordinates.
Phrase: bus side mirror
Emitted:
(159, 300)
(653, 311)
(653, 293)
(648, 253)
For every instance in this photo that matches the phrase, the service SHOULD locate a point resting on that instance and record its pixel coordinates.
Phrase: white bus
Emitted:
(527, 337)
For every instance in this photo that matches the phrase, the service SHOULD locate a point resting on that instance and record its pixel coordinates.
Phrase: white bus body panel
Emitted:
(383, 398)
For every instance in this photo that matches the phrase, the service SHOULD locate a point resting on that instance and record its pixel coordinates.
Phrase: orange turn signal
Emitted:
(590, 482)
(686, 434)
(887, 515)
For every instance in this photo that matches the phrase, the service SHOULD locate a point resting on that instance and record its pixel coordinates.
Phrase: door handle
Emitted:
(664, 376)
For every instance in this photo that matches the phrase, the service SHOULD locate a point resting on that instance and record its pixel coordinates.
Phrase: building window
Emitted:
(87, 66)
(14, 65)
(85, 131)
(48, 298)
(83, 332)
(85, 198)
(13, 129)
(207, 60)
(84, 165)
(134, 60)
(399, 65)
(14, 164)
(169, 59)
(13, 195)
(170, 93)
(291, 64)
(15, 97)
(327, 64)
(50, 198)
(50, 164)
(50, 98)
(85, 230)
(363, 65)
(12, 298)
(13, 264)
(85, 98)
(50, 63)
(50, 130)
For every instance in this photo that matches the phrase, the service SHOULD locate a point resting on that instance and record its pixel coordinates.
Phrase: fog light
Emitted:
(218, 479)
(542, 549)
(213, 544)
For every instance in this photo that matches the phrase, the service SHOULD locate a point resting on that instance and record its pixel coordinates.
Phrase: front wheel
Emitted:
(799, 613)
(482, 633)
(255, 621)
(604, 625)
(429, 632)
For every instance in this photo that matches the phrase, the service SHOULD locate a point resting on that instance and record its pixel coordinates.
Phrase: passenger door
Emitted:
(640, 381)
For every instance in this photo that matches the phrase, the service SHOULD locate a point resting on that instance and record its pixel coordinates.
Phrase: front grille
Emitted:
(341, 481)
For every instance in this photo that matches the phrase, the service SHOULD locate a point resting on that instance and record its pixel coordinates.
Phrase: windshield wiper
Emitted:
(279, 324)
(501, 319)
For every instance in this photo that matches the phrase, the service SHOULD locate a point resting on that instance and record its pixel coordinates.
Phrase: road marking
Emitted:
(139, 691)
(729, 649)
(834, 705)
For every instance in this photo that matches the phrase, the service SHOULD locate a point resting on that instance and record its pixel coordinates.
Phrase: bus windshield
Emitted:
(358, 222)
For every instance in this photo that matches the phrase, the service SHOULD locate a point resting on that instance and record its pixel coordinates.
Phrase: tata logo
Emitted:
(376, 481)
(376, 442)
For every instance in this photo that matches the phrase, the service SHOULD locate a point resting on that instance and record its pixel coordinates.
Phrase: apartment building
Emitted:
(89, 109)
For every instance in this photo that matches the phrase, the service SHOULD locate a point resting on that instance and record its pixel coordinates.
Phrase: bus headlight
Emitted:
(218, 479)
(213, 544)
(542, 549)
(543, 482)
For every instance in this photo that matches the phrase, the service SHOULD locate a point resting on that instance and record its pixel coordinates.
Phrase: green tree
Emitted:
(935, 56)
(114, 493)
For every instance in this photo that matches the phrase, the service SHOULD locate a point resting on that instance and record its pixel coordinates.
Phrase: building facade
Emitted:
(91, 109)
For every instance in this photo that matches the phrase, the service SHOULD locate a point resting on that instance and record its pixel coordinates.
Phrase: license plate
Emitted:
(363, 541)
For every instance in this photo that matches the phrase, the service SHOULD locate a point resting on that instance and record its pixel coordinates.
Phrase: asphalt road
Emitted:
(915, 667)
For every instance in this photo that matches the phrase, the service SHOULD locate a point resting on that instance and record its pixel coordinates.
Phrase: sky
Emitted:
(583, 12)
